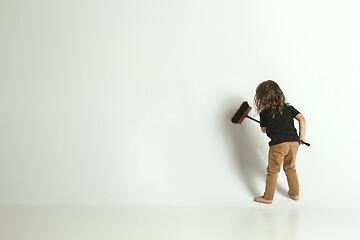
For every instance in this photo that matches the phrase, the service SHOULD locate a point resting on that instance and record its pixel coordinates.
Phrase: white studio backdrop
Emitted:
(129, 102)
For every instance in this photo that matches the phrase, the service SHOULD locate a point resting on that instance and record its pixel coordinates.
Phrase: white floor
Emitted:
(107, 223)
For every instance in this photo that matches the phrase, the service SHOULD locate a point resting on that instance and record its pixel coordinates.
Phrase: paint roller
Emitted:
(243, 112)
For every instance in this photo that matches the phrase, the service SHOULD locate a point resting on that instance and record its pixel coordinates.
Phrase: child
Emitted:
(276, 120)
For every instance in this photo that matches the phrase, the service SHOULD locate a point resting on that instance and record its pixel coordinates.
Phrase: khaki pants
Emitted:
(279, 154)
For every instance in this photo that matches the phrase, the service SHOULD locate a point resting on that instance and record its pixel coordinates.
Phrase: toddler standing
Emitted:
(276, 120)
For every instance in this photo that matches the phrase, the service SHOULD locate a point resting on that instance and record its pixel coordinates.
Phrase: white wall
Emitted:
(129, 102)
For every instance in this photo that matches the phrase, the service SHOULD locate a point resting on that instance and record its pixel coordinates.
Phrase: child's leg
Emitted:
(290, 171)
(276, 157)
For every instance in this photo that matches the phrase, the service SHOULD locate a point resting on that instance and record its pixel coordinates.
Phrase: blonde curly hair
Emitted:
(269, 95)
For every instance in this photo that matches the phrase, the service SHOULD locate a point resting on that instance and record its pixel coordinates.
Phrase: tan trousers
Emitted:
(279, 154)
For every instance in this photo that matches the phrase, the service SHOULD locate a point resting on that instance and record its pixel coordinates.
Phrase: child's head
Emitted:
(269, 95)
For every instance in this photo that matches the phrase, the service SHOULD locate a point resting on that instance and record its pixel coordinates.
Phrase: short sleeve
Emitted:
(294, 112)
(262, 119)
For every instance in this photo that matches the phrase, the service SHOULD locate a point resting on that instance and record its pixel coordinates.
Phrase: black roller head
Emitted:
(241, 113)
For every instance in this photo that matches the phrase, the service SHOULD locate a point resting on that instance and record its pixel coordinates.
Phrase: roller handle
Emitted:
(247, 116)
(307, 144)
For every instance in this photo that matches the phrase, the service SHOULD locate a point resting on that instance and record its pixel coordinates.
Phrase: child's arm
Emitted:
(302, 126)
(263, 129)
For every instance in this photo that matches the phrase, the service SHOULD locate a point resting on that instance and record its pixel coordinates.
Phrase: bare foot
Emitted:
(262, 200)
(295, 198)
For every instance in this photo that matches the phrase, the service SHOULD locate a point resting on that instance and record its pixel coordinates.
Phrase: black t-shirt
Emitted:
(280, 128)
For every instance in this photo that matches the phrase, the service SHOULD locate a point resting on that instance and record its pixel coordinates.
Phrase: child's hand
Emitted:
(302, 138)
